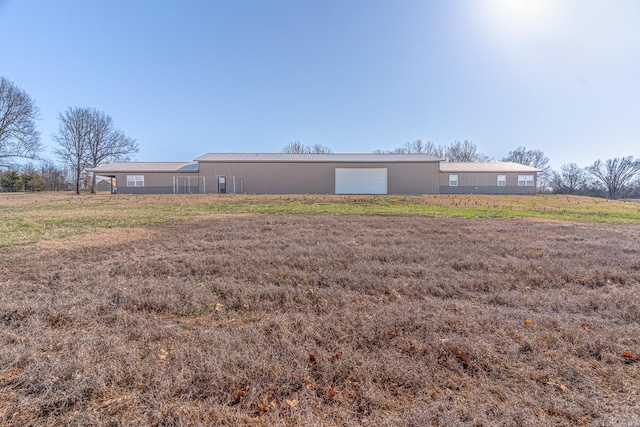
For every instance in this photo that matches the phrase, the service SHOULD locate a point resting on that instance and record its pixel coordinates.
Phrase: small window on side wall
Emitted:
(135, 180)
(453, 180)
(525, 180)
(502, 180)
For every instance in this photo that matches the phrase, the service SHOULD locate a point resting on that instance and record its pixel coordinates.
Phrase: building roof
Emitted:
(193, 167)
(486, 167)
(313, 157)
(119, 167)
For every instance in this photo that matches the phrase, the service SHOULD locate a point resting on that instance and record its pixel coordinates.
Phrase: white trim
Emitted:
(135, 180)
(525, 180)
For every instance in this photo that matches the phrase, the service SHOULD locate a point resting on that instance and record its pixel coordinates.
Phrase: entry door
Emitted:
(222, 184)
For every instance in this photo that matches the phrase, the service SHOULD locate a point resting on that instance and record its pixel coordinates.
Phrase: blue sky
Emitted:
(188, 77)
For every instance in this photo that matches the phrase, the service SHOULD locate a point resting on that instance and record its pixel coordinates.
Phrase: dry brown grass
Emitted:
(29, 218)
(324, 320)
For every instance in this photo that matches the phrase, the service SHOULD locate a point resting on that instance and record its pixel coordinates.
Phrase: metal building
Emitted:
(152, 177)
(283, 173)
(487, 178)
(278, 173)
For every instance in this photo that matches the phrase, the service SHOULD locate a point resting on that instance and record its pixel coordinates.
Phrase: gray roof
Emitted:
(332, 157)
(486, 167)
(119, 167)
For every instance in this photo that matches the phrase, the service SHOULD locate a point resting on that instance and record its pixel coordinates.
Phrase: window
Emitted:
(502, 180)
(453, 180)
(525, 180)
(135, 180)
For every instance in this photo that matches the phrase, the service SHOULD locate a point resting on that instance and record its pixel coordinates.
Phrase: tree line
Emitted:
(613, 178)
(45, 176)
(88, 137)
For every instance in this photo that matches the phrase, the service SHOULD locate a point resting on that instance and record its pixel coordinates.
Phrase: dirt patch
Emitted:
(105, 238)
(100, 238)
(324, 320)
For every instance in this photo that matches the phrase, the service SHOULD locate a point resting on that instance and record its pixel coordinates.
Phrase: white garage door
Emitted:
(361, 181)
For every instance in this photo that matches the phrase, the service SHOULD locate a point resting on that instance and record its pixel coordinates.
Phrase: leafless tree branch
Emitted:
(18, 113)
(296, 147)
(616, 174)
(88, 138)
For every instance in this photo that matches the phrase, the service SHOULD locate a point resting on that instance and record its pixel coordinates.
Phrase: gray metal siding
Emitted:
(318, 178)
(486, 190)
(156, 183)
(485, 183)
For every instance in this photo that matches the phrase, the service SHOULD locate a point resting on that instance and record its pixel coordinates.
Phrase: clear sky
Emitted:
(189, 77)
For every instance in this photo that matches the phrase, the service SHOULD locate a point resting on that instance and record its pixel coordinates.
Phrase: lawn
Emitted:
(319, 311)
(28, 218)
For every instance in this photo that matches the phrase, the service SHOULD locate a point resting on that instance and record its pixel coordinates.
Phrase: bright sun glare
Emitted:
(528, 20)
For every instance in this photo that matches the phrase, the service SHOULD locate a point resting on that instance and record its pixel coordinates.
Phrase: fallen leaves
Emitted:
(557, 385)
(463, 358)
(262, 409)
(292, 402)
(628, 357)
(237, 396)
(266, 408)
(528, 321)
(332, 392)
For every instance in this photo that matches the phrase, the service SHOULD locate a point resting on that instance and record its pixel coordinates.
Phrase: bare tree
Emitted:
(533, 158)
(18, 113)
(296, 147)
(420, 147)
(615, 174)
(456, 152)
(571, 179)
(635, 188)
(55, 179)
(73, 140)
(464, 152)
(320, 149)
(106, 143)
(87, 138)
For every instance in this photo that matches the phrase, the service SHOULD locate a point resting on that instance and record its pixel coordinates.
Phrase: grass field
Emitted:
(34, 217)
(320, 311)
